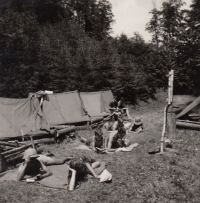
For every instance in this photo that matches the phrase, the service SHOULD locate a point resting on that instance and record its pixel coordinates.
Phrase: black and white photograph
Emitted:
(99, 101)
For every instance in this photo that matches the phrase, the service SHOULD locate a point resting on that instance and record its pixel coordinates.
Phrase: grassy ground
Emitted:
(137, 175)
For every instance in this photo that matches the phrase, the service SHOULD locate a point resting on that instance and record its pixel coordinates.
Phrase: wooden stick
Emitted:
(32, 142)
(16, 141)
(7, 144)
(164, 128)
(45, 140)
(14, 154)
(18, 157)
(169, 102)
(6, 148)
(187, 121)
(16, 149)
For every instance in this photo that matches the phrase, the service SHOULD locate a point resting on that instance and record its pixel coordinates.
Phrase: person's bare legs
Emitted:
(82, 139)
(95, 164)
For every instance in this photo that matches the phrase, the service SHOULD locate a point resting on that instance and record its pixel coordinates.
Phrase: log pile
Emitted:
(11, 152)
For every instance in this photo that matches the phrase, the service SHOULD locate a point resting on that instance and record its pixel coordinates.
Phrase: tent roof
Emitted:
(97, 103)
(64, 108)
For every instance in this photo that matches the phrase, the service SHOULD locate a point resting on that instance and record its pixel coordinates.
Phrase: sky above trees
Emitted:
(132, 15)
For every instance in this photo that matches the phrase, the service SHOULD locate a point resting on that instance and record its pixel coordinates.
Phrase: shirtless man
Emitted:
(116, 139)
(96, 142)
(35, 164)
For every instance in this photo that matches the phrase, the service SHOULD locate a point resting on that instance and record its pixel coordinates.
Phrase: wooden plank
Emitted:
(189, 107)
(187, 121)
(188, 125)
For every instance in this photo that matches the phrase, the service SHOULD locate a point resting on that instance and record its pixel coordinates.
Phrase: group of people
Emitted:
(119, 111)
(36, 165)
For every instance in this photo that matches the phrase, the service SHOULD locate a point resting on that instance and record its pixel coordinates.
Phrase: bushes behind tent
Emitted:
(59, 55)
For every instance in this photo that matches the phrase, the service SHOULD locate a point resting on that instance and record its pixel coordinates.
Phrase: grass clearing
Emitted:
(137, 176)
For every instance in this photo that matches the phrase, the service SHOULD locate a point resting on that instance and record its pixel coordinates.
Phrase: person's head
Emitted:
(79, 166)
(30, 155)
(137, 121)
(119, 102)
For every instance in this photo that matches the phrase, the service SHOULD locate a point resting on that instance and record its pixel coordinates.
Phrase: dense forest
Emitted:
(66, 45)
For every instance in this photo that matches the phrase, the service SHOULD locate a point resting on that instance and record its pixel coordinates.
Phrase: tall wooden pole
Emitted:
(169, 102)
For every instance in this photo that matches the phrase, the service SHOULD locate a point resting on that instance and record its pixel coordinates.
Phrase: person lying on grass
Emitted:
(116, 139)
(80, 167)
(137, 126)
(35, 164)
(96, 142)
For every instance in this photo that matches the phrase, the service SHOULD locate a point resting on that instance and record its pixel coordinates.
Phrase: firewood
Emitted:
(16, 149)
(6, 148)
(19, 157)
(14, 154)
(45, 141)
(188, 125)
(81, 127)
(66, 130)
(7, 144)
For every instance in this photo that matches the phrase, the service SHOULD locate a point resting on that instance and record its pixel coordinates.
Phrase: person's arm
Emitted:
(91, 170)
(22, 169)
(72, 180)
(46, 170)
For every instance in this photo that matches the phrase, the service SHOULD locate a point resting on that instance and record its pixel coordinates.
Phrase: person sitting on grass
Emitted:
(96, 142)
(116, 139)
(80, 167)
(35, 164)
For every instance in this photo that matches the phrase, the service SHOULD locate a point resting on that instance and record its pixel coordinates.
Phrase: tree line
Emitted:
(65, 45)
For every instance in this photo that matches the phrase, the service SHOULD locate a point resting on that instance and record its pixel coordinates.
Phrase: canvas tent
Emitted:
(107, 98)
(64, 108)
(27, 116)
(97, 103)
(21, 116)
